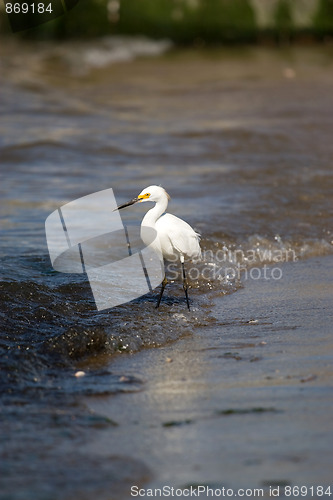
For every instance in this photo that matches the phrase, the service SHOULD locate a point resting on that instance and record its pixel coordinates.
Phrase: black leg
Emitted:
(164, 282)
(185, 285)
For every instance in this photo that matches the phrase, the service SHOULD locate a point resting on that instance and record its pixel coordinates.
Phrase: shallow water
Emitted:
(242, 142)
(246, 403)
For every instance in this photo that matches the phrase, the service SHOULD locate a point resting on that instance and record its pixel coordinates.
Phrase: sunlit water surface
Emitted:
(242, 142)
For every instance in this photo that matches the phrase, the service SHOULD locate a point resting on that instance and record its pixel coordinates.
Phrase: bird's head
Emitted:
(151, 193)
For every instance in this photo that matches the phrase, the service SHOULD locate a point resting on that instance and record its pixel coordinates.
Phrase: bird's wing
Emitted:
(180, 235)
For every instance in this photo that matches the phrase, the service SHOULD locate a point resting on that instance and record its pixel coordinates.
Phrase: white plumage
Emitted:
(176, 239)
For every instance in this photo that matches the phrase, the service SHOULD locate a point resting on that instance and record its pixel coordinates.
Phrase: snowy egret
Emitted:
(177, 239)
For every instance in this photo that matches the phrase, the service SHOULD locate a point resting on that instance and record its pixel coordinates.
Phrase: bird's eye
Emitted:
(147, 195)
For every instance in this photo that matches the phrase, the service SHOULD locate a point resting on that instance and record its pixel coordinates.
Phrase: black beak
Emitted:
(127, 204)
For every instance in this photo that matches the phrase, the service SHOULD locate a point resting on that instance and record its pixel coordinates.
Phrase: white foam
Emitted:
(101, 53)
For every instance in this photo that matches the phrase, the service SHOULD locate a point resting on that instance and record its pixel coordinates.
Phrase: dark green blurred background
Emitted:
(197, 22)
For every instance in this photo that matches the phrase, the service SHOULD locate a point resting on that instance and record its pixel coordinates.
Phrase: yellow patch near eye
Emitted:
(143, 196)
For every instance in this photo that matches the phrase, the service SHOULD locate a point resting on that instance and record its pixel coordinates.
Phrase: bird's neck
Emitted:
(154, 213)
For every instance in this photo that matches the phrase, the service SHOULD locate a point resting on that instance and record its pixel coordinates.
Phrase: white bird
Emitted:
(176, 239)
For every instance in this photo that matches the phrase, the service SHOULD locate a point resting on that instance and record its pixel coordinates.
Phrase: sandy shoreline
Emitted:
(241, 139)
(246, 403)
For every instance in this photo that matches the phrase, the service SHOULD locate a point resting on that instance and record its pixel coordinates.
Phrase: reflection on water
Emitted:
(241, 141)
